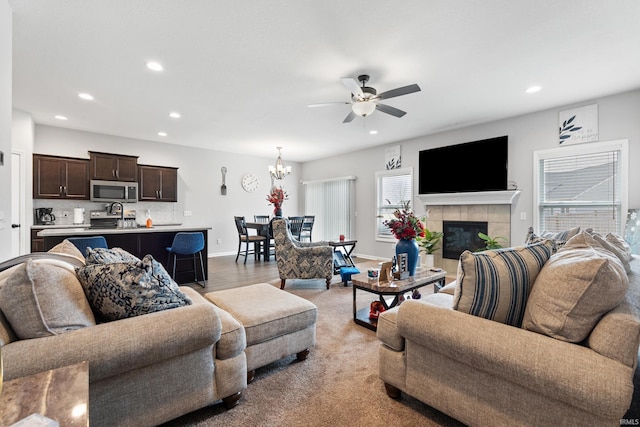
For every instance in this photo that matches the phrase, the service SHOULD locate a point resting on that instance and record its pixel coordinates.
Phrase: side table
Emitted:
(60, 394)
(342, 253)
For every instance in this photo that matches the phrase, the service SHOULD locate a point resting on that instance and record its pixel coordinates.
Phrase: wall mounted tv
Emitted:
(463, 168)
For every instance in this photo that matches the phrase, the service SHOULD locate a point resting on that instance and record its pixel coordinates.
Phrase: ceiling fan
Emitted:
(364, 100)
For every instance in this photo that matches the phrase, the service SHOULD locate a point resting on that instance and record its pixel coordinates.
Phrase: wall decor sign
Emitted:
(392, 157)
(578, 125)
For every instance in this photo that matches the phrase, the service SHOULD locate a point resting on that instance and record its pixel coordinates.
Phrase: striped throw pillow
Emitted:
(495, 284)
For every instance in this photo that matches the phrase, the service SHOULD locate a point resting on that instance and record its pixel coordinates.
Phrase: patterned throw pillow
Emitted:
(127, 289)
(495, 284)
(42, 299)
(576, 287)
(109, 256)
(558, 238)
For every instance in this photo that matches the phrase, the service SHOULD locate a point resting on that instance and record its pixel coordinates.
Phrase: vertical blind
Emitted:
(394, 191)
(331, 201)
(583, 189)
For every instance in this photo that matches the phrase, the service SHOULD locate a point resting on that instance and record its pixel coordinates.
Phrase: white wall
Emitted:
(5, 128)
(618, 119)
(199, 181)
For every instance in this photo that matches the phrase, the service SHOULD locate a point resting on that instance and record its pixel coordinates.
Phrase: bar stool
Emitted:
(187, 244)
(93, 242)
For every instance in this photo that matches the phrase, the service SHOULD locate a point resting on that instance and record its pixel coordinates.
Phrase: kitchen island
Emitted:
(137, 241)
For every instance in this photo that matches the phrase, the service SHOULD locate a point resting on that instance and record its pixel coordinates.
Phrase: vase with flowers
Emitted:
(276, 198)
(405, 227)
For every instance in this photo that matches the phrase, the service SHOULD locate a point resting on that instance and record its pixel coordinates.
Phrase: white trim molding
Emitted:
(507, 197)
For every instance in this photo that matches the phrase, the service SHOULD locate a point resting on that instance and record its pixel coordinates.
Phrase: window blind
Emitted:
(584, 189)
(331, 201)
(394, 191)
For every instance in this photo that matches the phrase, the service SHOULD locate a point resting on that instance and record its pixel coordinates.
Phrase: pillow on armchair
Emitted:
(577, 286)
(558, 238)
(495, 284)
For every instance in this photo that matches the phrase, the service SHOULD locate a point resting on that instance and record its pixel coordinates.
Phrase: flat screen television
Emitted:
(462, 168)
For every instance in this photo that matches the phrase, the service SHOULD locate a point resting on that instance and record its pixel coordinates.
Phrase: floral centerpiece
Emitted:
(405, 226)
(276, 198)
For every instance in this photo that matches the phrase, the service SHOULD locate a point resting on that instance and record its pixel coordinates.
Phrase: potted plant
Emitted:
(429, 244)
(491, 242)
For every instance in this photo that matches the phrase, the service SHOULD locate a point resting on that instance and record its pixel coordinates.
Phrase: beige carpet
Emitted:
(338, 384)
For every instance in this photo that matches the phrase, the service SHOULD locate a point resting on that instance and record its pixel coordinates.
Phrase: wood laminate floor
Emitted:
(225, 273)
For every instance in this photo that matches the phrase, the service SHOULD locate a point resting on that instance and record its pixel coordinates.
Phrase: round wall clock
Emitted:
(250, 182)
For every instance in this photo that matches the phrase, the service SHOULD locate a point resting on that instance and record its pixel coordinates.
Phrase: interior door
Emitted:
(17, 203)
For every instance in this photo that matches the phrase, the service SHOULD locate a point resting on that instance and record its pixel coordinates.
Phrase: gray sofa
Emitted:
(143, 370)
(486, 373)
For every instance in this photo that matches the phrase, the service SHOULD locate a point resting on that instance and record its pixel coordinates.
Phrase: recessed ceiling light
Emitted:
(373, 132)
(533, 89)
(162, 133)
(155, 66)
(59, 117)
(174, 115)
(85, 96)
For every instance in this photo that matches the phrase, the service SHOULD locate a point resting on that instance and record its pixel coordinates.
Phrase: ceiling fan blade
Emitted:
(390, 110)
(352, 85)
(349, 117)
(327, 104)
(405, 90)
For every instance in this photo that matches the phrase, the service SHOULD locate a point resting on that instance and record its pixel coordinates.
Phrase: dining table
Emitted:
(263, 230)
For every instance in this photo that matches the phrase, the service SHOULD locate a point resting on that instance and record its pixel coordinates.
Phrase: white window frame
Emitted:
(383, 214)
(621, 145)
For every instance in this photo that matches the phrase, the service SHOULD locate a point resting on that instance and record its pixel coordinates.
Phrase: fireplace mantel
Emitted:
(476, 198)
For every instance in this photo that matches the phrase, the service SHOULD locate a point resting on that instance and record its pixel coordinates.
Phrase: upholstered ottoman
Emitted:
(277, 323)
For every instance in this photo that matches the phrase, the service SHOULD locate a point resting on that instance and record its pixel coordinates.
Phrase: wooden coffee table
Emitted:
(395, 288)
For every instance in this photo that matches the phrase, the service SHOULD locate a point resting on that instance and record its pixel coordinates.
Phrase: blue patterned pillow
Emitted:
(495, 284)
(108, 256)
(127, 289)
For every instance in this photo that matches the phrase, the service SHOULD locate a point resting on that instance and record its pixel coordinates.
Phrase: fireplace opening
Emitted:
(460, 236)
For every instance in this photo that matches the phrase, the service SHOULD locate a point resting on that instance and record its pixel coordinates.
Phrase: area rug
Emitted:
(337, 385)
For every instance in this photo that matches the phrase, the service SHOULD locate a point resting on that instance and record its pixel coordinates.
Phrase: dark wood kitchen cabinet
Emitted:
(57, 177)
(113, 167)
(157, 183)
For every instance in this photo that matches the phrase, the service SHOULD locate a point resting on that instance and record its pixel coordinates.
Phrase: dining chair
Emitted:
(254, 240)
(261, 218)
(94, 242)
(187, 243)
(295, 225)
(307, 227)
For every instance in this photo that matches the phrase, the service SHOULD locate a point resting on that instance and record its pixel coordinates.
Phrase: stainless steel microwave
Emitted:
(114, 191)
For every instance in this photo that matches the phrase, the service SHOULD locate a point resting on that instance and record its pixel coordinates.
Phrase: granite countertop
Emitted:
(79, 230)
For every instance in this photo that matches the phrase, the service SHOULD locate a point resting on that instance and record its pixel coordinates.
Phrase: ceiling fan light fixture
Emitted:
(279, 171)
(363, 108)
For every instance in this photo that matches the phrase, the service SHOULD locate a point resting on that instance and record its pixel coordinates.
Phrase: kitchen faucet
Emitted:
(121, 211)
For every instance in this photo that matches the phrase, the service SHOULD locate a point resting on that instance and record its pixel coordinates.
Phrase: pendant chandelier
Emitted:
(279, 171)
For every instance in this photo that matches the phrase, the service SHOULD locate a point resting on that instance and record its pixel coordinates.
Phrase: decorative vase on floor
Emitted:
(277, 212)
(411, 248)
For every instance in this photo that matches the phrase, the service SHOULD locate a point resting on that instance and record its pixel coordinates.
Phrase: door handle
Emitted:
(15, 225)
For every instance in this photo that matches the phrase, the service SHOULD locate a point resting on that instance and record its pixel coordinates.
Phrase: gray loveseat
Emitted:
(487, 373)
(143, 370)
